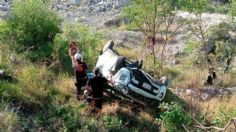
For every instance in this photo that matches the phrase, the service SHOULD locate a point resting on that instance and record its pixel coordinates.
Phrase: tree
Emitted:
(32, 25)
(153, 18)
(197, 7)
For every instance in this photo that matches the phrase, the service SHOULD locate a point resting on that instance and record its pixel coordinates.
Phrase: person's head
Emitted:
(96, 71)
(72, 44)
(78, 57)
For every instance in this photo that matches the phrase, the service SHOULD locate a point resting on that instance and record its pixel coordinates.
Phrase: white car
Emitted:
(128, 78)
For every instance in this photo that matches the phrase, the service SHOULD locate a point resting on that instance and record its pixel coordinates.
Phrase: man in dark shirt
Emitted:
(81, 76)
(97, 83)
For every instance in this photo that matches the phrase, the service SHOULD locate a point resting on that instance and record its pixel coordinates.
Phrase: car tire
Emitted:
(108, 45)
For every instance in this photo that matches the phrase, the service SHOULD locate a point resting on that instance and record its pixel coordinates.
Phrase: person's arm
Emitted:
(69, 51)
(109, 78)
(77, 48)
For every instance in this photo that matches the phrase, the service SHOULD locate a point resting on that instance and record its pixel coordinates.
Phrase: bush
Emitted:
(173, 117)
(221, 118)
(112, 124)
(35, 85)
(33, 26)
(87, 40)
(8, 91)
(61, 53)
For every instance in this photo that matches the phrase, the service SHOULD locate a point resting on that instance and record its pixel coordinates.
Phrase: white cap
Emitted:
(78, 56)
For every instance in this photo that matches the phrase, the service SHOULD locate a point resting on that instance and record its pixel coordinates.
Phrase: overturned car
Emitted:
(128, 78)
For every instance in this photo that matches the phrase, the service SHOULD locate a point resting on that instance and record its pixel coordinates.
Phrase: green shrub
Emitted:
(35, 85)
(8, 91)
(56, 118)
(173, 117)
(90, 125)
(221, 118)
(234, 111)
(112, 124)
(4, 31)
(9, 119)
(191, 46)
(33, 26)
(88, 41)
(61, 53)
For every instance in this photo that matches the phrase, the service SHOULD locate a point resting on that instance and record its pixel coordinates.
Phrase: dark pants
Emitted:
(98, 103)
(79, 84)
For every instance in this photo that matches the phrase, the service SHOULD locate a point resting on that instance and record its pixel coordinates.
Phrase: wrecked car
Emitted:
(128, 77)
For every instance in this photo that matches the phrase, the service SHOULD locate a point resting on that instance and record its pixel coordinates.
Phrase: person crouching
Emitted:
(81, 76)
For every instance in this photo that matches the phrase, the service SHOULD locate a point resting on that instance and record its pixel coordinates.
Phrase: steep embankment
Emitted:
(44, 101)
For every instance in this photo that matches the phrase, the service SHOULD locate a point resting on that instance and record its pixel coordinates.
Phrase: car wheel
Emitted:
(108, 45)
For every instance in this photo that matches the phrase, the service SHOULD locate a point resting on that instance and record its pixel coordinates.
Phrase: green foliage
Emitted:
(61, 52)
(232, 9)
(153, 17)
(219, 8)
(196, 6)
(87, 40)
(33, 26)
(35, 84)
(4, 30)
(4, 59)
(191, 46)
(9, 119)
(173, 116)
(221, 118)
(112, 124)
(234, 111)
(8, 91)
(90, 125)
(142, 12)
(223, 42)
(62, 118)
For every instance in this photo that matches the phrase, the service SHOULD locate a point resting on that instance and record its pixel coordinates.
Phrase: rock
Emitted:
(204, 96)
(225, 91)
(189, 92)
(59, 7)
(4, 8)
(77, 2)
(176, 62)
(70, 14)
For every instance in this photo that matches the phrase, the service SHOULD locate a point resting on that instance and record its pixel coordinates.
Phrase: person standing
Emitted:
(73, 49)
(80, 69)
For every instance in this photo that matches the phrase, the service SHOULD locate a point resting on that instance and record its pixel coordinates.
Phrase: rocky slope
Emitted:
(103, 15)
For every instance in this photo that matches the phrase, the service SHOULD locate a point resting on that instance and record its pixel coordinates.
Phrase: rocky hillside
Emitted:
(104, 17)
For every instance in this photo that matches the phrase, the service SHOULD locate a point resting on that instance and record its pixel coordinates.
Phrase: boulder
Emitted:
(77, 2)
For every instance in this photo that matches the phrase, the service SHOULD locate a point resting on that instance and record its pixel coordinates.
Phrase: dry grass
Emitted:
(128, 52)
(65, 85)
(8, 120)
(142, 114)
(219, 108)
(226, 80)
(191, 78)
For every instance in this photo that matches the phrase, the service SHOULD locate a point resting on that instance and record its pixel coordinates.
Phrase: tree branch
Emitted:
(232, 120)
(185, 128)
